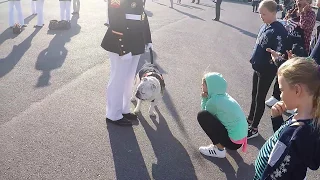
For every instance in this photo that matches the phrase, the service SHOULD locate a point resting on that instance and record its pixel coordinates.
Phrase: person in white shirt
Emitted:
(65, 10)
(15, 4)
(40, 20)
(33, 7)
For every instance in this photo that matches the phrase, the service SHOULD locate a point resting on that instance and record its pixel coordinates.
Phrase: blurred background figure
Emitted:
(65, 9)
(76, 6)
(17, 5)
(33, 7)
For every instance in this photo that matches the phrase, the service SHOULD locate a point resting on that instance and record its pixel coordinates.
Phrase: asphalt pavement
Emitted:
(53, 84)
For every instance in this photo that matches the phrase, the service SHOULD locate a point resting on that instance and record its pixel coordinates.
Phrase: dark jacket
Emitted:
(272, 36)
(297, 150)
(126, 35)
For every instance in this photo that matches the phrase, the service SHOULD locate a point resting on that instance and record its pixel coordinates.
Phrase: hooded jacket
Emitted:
(224, 107)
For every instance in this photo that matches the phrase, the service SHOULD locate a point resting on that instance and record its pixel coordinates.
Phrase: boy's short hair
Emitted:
(271, 5)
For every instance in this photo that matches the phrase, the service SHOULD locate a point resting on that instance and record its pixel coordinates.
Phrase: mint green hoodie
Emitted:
(224, 107)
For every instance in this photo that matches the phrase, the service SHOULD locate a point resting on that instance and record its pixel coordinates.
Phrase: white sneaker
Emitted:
(212, 151)
(271, 101)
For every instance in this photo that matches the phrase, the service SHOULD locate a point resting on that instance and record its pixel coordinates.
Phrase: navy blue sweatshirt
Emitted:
(289, 152)
(272, 36)
(315, 53)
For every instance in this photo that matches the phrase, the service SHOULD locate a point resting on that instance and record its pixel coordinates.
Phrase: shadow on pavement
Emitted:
(244, 172)
(257, 142)
(207, 5)
(250, 34)
(159, 3)
(3, 1)
(9, 62)
(174, 113)
(168, 150)
(128, 160)
(190, 15)
(148, 13)
(28, 19)
(189, 6)
(8, 33)
(54, 56)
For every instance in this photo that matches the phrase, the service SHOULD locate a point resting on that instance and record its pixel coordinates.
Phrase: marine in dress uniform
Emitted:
(33, 7)
(125, 40)
(65, 10)
(15, 4)
(40, 18)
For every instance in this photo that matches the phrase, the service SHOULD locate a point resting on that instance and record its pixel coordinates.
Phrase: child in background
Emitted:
(221, 118)
(255, 4)
(272, 35)
(295, 146)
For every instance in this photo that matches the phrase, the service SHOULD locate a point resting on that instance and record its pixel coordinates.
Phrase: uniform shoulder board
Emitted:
(115, 3)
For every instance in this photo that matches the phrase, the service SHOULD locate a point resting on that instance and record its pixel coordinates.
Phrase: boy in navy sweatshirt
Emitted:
(271, 35)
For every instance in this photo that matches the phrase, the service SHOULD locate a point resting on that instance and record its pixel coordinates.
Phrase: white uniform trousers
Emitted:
(17, 5)
(65, 10)
(33, 6)
(40, 20)
(107, 13)
(76, 5)
(120, 86)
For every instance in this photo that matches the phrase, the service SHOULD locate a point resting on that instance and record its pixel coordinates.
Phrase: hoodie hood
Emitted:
(216, 84)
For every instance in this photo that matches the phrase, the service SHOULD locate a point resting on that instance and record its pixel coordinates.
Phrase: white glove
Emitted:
(148, 46)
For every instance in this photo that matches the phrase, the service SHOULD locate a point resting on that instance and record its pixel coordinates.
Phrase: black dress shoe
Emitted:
(121, 122)
(106, 24)
(216, 19)
(130, 116)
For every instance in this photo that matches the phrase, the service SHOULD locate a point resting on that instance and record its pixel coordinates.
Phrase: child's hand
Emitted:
(290, 54)
(278, 109)
(274, 54)
(204, 94)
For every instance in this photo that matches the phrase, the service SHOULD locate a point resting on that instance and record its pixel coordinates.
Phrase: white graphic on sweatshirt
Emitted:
(282, 169)
(279, 45)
